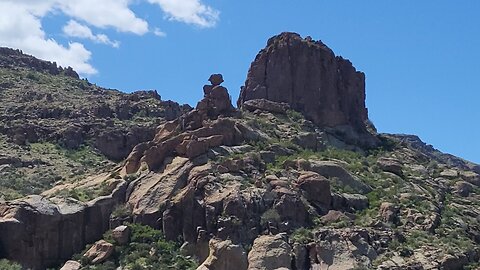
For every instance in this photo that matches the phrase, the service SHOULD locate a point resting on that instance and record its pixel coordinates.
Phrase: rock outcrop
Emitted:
(99, 252)
(270, 252)
(40, 233)
(308, 76)
(224, 255)
(10, 58)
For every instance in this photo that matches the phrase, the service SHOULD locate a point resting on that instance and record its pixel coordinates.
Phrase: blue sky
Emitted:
(421, 58)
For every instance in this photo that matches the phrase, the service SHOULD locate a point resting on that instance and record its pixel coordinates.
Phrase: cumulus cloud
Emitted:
(75, 29)
(105, 13)
(21, 25)
(189, 11)
(21, 28)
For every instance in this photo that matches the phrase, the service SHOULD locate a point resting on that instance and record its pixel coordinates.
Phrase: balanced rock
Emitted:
(216, 99)
(216, 79)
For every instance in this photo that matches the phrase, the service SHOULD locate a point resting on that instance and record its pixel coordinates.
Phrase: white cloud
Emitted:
(159, 33)
(189, 11)
(75, 29)
(105, 13)
(21, 28)
(21, 25)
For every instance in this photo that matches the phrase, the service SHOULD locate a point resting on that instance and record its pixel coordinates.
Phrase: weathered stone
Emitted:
(463, 188)
(224, 255)
(270, 252)
(334, 216)
(389, 212)
(390, 165)
(308, 140)
(29, 227)
(308, 76)
(99, 252)
(71, 265)
(349, 202)
(449, 173)
(216, 79)
(265, 105)
(316, 188)
(121, 234)
(334, 170)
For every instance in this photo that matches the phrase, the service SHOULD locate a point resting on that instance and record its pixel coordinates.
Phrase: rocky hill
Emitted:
(55, 127)
(295, 178)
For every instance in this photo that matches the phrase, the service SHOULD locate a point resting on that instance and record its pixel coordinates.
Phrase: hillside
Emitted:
(55, 127)
(296, 177)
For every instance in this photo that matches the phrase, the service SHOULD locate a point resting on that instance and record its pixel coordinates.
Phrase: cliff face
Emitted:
(308, 76)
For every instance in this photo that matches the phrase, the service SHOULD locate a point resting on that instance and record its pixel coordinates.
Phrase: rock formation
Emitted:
(217, 180)
(40, 233)
(308, 76)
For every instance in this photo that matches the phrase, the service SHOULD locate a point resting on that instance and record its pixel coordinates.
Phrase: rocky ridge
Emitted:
(266, 187)
(57, 128)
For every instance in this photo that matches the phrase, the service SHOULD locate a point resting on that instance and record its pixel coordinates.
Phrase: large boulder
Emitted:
(224, 255)
(121, 234)
(71, 265)
(99, 252)
(316, 188)
(308, 76)
(270, 252)
(335, 171)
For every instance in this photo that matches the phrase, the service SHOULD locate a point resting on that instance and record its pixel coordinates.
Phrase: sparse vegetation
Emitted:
(8, 265)
(147, 249)
(268, 216)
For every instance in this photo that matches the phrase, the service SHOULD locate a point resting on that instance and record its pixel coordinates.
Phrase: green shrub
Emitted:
(270, 215)
(302, 236)
(294, 115)
(8, 265)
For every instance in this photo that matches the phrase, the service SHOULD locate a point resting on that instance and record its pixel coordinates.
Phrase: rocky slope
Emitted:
(279, 183)
(55, 127)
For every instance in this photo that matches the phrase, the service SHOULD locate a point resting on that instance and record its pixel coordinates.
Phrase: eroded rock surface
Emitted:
(308, 76)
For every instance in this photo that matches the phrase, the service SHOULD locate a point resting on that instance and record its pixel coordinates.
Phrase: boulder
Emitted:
(389, 212)
(121, 234)
(463, 188)
(224, 255)
(216, 79)
(390, 165)
(449, 173)
(71, 265)
(339, 249)
(334, 216)
(334, 171)
(308, 140)
(99, 252)
(316, 188)
(270, 252)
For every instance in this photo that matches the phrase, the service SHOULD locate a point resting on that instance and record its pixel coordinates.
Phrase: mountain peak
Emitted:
(306, 74)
